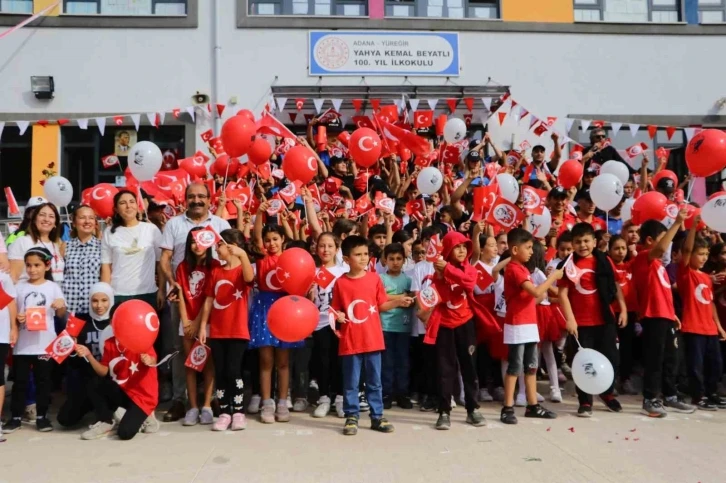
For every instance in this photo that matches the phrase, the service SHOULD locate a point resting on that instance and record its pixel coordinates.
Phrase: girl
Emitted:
(325, 341)
(626, 336)
(39, 300)
(226, 305)
(8, 332)
(272, 351)
(193, 275)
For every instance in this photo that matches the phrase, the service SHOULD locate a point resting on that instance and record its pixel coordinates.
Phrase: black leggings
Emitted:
(454, 346)
(84, 394)
(326, 362)
(423, 367)
(4, 348)
(115, 397)
(626, 339)
(227, 355)
(42, 369)
(300, 369)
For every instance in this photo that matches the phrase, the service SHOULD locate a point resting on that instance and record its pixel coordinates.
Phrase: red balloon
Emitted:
(344, 138)
(135, 325)
(238, 134)
(300, 164)
(296, 271)
(221, 163)
(365, 147)
(706, 152)
(195, 166)
(292, 318)
(666, 173)
(693, 211)
(86, 196)
(260, 151)
(649, 206)
(246, 113)
(570, 173)
(102, 199)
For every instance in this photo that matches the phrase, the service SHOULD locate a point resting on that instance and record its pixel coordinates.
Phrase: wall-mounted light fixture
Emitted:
(42, 86)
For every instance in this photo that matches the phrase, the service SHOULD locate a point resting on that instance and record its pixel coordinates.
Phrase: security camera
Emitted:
(200, 98)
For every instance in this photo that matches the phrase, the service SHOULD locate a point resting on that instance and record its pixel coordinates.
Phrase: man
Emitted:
(558, 204)
(596, 153)
(586, 211)
(173, 246)
(538, 164)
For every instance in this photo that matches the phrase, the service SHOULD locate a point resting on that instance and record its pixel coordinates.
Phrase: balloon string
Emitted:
(690, 188)
(578, 342)
(168, 357)
(607, 222)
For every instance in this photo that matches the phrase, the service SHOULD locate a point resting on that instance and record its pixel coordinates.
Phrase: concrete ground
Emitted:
(606, 448)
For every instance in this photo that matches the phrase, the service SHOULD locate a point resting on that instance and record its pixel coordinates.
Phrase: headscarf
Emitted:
(101, 287)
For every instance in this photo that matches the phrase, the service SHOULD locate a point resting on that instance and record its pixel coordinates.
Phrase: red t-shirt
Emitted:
(596, 224)
(696, 291)
(359, 299)
(653, 290)
(137, 380)
(624, 276)
(194, 286)
(454, 306)
(267, 276)
(568, 221)
(583, 296)
(521, 306)
(228, 319)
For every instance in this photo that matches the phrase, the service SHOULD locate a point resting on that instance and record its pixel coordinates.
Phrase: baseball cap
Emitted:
(35, 201)
(473, 157)
(591, 170)
(583, 194)
(665, 184)
(538, 146)
(557, 192)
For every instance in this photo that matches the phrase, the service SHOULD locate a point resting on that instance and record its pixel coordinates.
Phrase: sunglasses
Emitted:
(599, 136)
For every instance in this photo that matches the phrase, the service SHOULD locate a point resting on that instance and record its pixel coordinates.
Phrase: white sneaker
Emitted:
(520, 401)
(254, 406)
(2, 438)
(118, 415)
(98, 430)
(484, 395)
(453, 402)
(151, 425)
(323, 407)
(300, 405)
(540, 398)
(339, 406)
(555, 395)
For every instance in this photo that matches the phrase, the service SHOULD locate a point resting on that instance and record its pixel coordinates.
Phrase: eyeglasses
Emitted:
(193, 196)
(599, 136)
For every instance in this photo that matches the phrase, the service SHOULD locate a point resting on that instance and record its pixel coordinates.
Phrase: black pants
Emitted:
(703, 358)
(251, 370)
(300, 369)
(487, 368)
(423, 367)
(452, 346)
(327, 363)
(114, 397)
(227, 355)
(602, 338)
(626, 337)
(42, 369)
(4, 349)
(84, 394)
(660, 356)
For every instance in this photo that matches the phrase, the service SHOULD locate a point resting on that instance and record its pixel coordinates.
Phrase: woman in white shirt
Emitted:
(130, 251)
(44, 231)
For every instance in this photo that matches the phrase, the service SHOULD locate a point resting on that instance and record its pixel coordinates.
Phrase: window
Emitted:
(16, 6)
(125, 7)
(16, 162)
(628, 11)
(338, 8)
(484, 9)
(711, 11)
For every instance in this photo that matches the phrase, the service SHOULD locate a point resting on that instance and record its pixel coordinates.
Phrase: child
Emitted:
(40, 293)
(626, 335)
(358, 297)
(658, 318)
(521, 334)
(225, 310)
(193, 275)
(701, 326)
(325, 342)
(586, 303)
(8, 334)
(396, 330)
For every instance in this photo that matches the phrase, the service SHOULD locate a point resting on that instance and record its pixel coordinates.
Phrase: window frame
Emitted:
(420, 6)
(16, 13)
(286, 6)
(599, 6)
(712, 8)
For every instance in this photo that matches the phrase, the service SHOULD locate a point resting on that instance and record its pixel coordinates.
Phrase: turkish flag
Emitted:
(372, 265)
(299, 104)
(109, 161)
(13, 209)
(385, 204)
(505, 214)
(269, 124)
(323, 278)
(74, 325)
(428, 297)
(363, 204)
(434, 249)
(388, 114)
(363, 121)
(572, 271)
(540, 129)
(660, 153)
(484, 197)
(484, 278)
(35, 318)
(576, 152)
(534, 199)
(451, 154)
(636, 150)
(61, 347)
(198, 356)
(416, 207)
(418, 145)
(332, 185)
(290, 192)
(206, 237)
(118, 120)
(423, 119)
(207, 135)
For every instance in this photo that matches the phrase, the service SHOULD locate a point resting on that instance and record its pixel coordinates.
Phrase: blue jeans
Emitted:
(352, 366)
(395, 363)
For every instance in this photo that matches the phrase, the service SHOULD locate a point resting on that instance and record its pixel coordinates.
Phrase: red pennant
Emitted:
(42, 122)
(61, 347)
(357, 104)
(375, 104)
(514, 103)
(469, 101)
(467, 119)
(118, 120)
(501, 115)
(308, 118)
(5, 298)
(74, 325)
(13, 208)
(299, 104)
(175, 112)
(484, 278)
(452, 105)
(198, 356)
(505, 214)
(63, 122)
(157, 120)
(206, 237)
(540, 129)
(293, 116)
(652, 130)
(597, 124)
(670, 130)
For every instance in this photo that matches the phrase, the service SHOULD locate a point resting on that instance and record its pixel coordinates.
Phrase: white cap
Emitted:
(35, 201)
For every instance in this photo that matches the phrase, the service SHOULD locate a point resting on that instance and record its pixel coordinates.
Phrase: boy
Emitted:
(380, 234)
(520, 326)
(358, 297)
(658, 319)
(396, 330)
(701, 327)
(586, 305)
(586, 211)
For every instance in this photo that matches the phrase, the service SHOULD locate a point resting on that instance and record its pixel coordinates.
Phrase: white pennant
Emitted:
(690, 132)
(532, 121)
(137, 120)
(432, 103)
(516, 113)
(399, 103)
(23, 126)
(568, 124)
(484, 119)
(2, 126)
(161, 118)
(584, 124)
(487, 101)
(281, 101)
(271, 102)
(634, 128)
(190, 110)
(82, 123)
(101, 122)
(413, 103)
(336, 104)
(151, 116)
(318, 104)
(616, 127)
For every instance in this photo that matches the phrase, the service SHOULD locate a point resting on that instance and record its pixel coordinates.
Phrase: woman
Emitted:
(130, 250)
(83, 260)
(43, 231)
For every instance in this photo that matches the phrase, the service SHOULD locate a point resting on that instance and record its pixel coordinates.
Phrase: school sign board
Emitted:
(359, 53)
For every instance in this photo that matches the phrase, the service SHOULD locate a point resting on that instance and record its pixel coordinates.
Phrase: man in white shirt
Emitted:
(173, 247)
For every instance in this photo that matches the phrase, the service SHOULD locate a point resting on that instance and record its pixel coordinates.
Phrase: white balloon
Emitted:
(592, 372)
(713, 213)
(429, 180)
(606, 191)
(508, 187)
(144, 160)
(58, 190)
(454, 130)
(626, 210)
(617, 168)
(540, 224)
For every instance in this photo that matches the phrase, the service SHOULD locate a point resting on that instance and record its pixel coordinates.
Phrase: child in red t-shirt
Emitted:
(521, 333)
(358, 297)
(701, 327)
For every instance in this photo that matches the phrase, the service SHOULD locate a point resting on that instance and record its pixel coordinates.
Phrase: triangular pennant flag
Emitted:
(281, 101)
(524, 113)
(652, 130)
(487, 101)
(101, 123)
(532, 121)
(118, 120)
(293, 116)
(584, 125)
(670, 130)
(161, 115)
(23, 126)
(413, 103)
(336, 104)
(42, 122)
(82, 123)
(469, 101)
(568, 124)
(634, 128)
(63, 122)
(357, 104)
(432, 103)
(452, 105)
(190, 110)
(175, 112)
(690, 132)
(318, 104)
(137, 120)
(399, 103)
(375, 104)
(220, 109)
(616, 127)
(2, 126)
(501, 115)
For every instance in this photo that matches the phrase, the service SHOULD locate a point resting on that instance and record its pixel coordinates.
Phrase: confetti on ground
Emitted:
(548, 429)
(633, 430)
(678, 437)
(627, 439)
(572, 430)
(532, 459)
(636, 439)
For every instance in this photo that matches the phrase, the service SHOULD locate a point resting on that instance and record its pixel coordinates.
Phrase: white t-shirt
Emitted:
(132, 253)
(538, 278)
(422, 270)
(9, 288)
(177, 229)
(489, 269)
(323, 296)
(24, 243)
(33, 343)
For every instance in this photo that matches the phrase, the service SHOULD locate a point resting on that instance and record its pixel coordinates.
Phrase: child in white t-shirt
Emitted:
(8, 331)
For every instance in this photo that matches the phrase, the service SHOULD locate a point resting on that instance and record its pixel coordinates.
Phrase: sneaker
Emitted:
(239, 422)
(2, 438)
(175, 412)
(672, 403)
(282, 413)
(705, 404)
(555, 395)
(323, 407)
(300, 405)
(540, 398)
(484, 395)
(520, 401)
(717, 401)
(507, 415)
(351, 426)
(628, 388)
(222, 423)
(453, 403)
(584, 411)
(444, 422)
(404, 402)
(191, 418)
(561, 377)
(98, 430)
(363, 402)
(206, 416)
(475, 419)
(118, 415)
(381, 425)
(387, 402)
(414, 398)
(254, 406)
(30, 414)
(267, 412)
(43, 424)
(12, 425)
(339, 407)
(428, 404)
(151, 425)
(566, 370)
(539, 412)
(653, 409)
(612, 404)
(498, 394)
